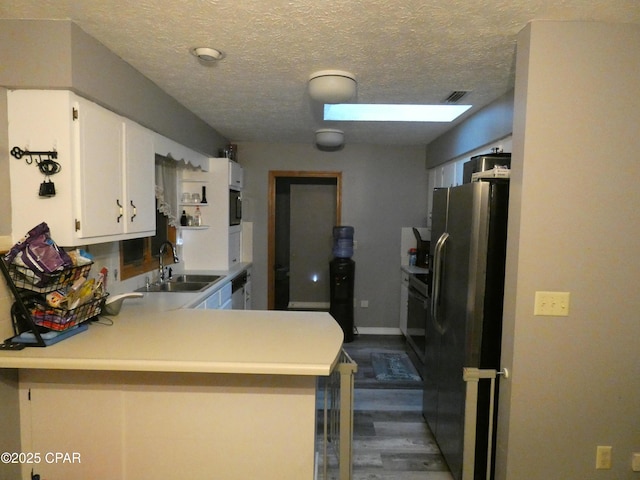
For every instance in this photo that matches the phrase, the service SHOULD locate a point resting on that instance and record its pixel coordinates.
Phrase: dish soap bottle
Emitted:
(197, 217)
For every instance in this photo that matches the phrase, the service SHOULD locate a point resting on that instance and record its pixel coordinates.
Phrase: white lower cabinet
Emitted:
(235, 239)
(225, 296)
(49, 416)
(166, 425)
(218, 300)
(213, 301)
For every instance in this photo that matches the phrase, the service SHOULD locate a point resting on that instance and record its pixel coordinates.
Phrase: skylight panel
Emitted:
(357, 112)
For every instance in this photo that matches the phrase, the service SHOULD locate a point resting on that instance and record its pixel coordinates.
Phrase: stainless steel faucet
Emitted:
(163, 248)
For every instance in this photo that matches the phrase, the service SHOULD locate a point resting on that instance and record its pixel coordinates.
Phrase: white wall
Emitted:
(383, 190)
(492, 122)
(573, 226)
(6, 298)
(5, 189)
(9, 423)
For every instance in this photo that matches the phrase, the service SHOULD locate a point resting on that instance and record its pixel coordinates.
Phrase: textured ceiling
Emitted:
(409, 51)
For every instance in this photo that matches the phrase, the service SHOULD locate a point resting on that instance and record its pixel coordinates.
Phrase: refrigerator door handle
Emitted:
(438, 262)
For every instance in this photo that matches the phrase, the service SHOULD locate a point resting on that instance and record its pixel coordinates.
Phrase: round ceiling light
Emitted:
(207, 54)
(329, 139)
(332, 86)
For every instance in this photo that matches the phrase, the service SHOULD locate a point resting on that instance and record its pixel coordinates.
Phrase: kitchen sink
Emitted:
(188, 278)
(173, 286)
(184, 282)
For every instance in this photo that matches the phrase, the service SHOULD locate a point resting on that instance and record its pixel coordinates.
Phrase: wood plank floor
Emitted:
(391, 440)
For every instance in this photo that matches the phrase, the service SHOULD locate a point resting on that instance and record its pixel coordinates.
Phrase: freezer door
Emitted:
(433, 335)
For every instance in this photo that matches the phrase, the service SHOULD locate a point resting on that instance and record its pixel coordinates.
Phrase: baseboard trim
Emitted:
(379, 331)
(309, 305)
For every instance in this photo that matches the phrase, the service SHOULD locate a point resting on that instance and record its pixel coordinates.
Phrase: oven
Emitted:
(235, 207)
(417, 316)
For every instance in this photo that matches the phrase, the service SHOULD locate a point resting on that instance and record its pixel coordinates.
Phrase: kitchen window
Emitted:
(140, 255)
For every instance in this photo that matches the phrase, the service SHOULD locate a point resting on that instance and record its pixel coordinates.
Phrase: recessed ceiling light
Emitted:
(360, 112)
(207, 54)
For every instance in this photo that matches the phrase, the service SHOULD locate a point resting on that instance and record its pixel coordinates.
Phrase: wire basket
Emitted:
(60, 319)
(27, 279)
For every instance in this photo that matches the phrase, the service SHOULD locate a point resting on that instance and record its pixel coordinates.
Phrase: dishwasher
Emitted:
(237, 291)
(417, 316)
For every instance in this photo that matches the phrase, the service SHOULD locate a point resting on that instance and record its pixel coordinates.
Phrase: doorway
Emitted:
(303, 208)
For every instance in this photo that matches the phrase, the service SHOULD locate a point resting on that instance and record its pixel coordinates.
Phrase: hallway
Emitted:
(391, 440)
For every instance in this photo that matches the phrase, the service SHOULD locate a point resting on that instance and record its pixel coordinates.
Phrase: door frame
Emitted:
(274, 175)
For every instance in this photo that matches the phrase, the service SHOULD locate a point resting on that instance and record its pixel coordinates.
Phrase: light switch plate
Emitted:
(554, 304)
(603, 457)
(635, 462)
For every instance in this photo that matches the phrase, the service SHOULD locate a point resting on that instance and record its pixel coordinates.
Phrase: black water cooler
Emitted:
(342, 273)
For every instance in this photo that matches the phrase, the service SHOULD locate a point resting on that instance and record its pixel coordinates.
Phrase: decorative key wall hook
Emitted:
(46, 163)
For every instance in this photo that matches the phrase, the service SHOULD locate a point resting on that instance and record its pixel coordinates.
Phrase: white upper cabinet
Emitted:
(105, 188)
(442, 176)
(139, 194)
(236, 179)
(100, 164)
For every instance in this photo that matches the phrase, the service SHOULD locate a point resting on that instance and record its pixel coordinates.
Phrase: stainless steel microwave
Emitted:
(235, 207)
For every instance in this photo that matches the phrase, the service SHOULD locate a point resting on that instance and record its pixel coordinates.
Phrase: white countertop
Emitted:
(154, 333)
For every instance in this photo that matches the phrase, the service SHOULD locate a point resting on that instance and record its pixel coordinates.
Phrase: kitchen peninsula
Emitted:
(178, 393)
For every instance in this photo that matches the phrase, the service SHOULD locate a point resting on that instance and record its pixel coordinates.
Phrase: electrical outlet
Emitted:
(603, 457)
(364, 303)
(635, 462)
(551, 304)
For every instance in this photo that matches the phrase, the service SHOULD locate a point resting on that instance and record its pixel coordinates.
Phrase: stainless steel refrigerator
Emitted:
(468, 244)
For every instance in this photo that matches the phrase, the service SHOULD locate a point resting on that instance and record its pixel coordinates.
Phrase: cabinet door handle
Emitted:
(121, 211)
(135, 211)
